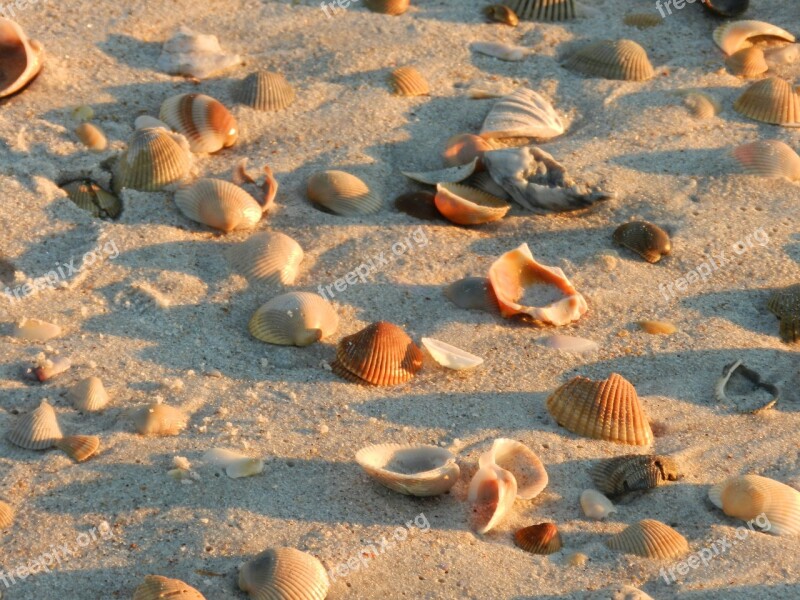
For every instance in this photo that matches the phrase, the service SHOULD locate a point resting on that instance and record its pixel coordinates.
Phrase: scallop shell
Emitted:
(646, 239)
(500, 13)
(595, 505)
(568, 343)
(92, 137)
(605, 410)
(420, 205)
(195, 55)
(294, 319)
(734, 36)
(414, 470)
(523, 114)
(543, 538)
(21, 58)
(267, 256)
(642, 20)
(343, 194)
(519, 460)
(154, 159)
(284, 574)
(407, 81)
(464, 148)
(6, 515)
(160, 419)
(752, 497)
(772, 100)
(89, 395)
(203, 120)
(491, 495)
(632, 472)
(747, 62)
(472, 293)
(543, 10)
(768, 158)
(36, 430)
(464, 205)
(91, 197)
(236, 465)
(612, 59)
(265, 91)
(507, 52)
(219, 204)
(79, 447)
(34, 330)
(516, 270)
(649, 539)
(701, 105)
(156, 587)
(388, 7)
(785, 304)
(753, 382)
(381, 354)
(450, 356)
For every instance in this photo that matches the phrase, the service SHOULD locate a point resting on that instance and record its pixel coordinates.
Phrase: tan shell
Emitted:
(595, 505)
(543, 10)
(658, 327)
(89, 395)
(267, 256)
(785, 304)
(735, 35)
(91, 197)
(500, 13)
(519, 460)
(34, 330)
(543, 538)
(464, 205)
(604, 410)
(463, 148)
(265, 91)
(284, 574)
(491, 495)
(747, 62)
(154, 159)
(79, 447)
(701, 105)
(219, 204)
(646, 239)
(156, 587)
(342, 193)
(204, 121)
(772, 100)
(622, 474)
(21, 58)
(414, 470)
(294, 319)
(36, 430)
(612, 59)
(47, 368)
(160, 419)
(650, 539)
(388, 7)
(523, 114)
(92, 137)
(381, 354)
(748, 497)
(407, 81)
(6, 515)
(642, 20)
(768, 158)
(472, 293)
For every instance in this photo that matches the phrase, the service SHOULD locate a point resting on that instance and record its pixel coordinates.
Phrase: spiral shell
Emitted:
(595, 505)
(36, 430)
(449, 356)
(34, 330)
(154, 159)
(21, 57)
(89, 395)
(407, 81)
(612, 59)
(768, 158)
(543, 538)
(79, 447)
(772, 100)
(414, 470)
(294, 319)
(6, 515)
(464, 205)
(753, 497)
(265, 91)
(650, 539)
(747, 62)
(156, 587)
(523, 114)
(622, 474)
(519, 460)
(491, 495)
(267, 256)
(92, 137)
(204, 121)
(646, 239)
(284, 574)
(499, 13)
(219, 204)
(388, 7)
(734, 36)
(472, 293)
(91, 197)
(160, 419)
(543, 10)
(343, 194)
(785, 304)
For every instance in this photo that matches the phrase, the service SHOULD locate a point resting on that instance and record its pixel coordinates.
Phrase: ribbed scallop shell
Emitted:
(407, 81)
(449, 356)
(91, 197)
(472, 293)
(92, 137)
(284, 574)
(219, 204)
(491, 495)
(267, 256)
(785, 304)
(203, 120)
(612, 59)
(156, 587)
(414, 470)
(34, 330)
(749, 496)
(543, 10)
(21, 57)
(79, 447)
(523, 114)
(642, 20)
(543, 538)
(701, 106)
(464, 205)
(595, 505)
(768, 158)
(605, 410)
(381, 354)
(650, 539)
(500, 13)
(388, 7)
(89, 395)
(519, 460)
(6, 515)
(265, 91)
(622, 474)
(343, 194)
(645, 239)
(154, 158)
(36, 430)
(734, 36)
(747, 62)
(772, 100)
(160, 419)
(294, 319)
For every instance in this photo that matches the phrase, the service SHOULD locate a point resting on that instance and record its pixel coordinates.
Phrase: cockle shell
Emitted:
(734, 36)
(408, 81)
(342, 193)
(772, 100)
(519, 460)
(21, 58)
(219, 204)
(154, 159)
(414, 470)
(523, 114)
(612, 59)
(543, 538)
(450, 356)
(748, 497)
(388, 7)
(649, 539)
(160, 419)
(34, 330)
(785, 304)
(195, 55)
(236, 465)
(543, 10)
(156, 587)
(284, 574)
(79, 447)
(747, 62)
(632, 472)
(89, 196)
(507, 52)
(464, 205)
(595, 505)
(294, 319)
(267, 256)
(36, 430)
(92, 137)
(605, 410)
(517, 270)
(464, 148)
(381, 354)
(265, 91)
(89, 395)
(6, 515)
(491, 495)
(737, 371)
(472, 293)
(202, 120)
(500, 13)
(768, 158)
(642, 20)
(701, 105)
(646, 239)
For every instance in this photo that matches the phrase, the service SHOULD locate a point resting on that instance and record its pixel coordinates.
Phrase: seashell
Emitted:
(79, 447)
(785, 304)
(646, 239)
(36, 430)
(92, 137)
(420, 205)
(507, 52)
(388, 7)
(577, 559)
(752, 382)
(491, 495)
(219, 204)
(605, 410)
(472, 293)
(543, 10)
(726, 8)
(450, 356)
(407, 81)
(160, 419)
(381, 354)
(771, 100)
(414, 470)
(21, 58)
(464, 205)
(568, 343)
(6, 515)
(265, 91)
(732, 37)
(649, 539)
(701, 106)
(448, 175)
(612, 59)
(539, 539)
(89, 395)
(595, 505)
(747, 62)
(47, 368)
(83, 113)
(91, 197)
(768, 158)
(642, 20)
(284, 574)
(269, 187)
(267, 256)
(202, 120)
(500, 13)
(342, 194)
(155, 158)
(294, 319)
(148, 122)
(523, 114)
(156, 587)
(658, 327)
(194, 55)
(485, 183)
(463, 148)
(519, 460)
(633, 472)
(236, 465)
(785, 55)
(517, 270)
(34, 330)
(751, 497)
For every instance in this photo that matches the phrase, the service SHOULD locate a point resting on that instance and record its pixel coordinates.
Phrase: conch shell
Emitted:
(21, 58)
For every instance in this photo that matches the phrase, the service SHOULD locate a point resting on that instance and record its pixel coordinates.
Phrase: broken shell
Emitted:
(219, 204)
(388, 7)
(21, 58)
(47, 368)
(89, 395)
(156, 587)
(414, 470)
(768, 158)
(36, 430)
(464, 205)
(649, 539)
(91, 197)
(463, 148)
(642, 20)
(450, 356)
(79, 447)
(543, 10)
(516, 270)
(448, 175)
(420, 205)
(195, 55)
(284, 574)
(92, 137)
(203, 120)
(577, 559)
(701, 106)
(519, 460)
(658, 327)
(734, 36)
(568, 343)
(160, 419)
(632, 472)
(236, 465)
(753, 384)
(747, 62)
(500, 13)
(595, 505)
(407, 81)
(605, 410)
(34, 330)
(83, 113)
(772, 100)
(785, 304)
(472, 293)
(6, 515)
(381, 354)
(522, 114)
(539, 539)
(612, 59)
(646, 239)
(491, 495)
(726, 8)
(342, 194)
(507, 52)
(265, 91)
(269, 187)
(154, 158)
(294, 319)
(750, 497)
(267, 256)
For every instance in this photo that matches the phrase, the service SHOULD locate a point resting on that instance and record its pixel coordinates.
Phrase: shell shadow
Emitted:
(131, 51)
(708, 162)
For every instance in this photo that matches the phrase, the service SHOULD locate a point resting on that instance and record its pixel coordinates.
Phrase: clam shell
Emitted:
(747, 62)
(36, 430)
(508, 52)
(47, 368)
(463, 148)
(236, 465)
(34, 330)
(748, 497)
(420, 205)
(219, 204)
(523, 114)
(491, 495)
(701, 105)
(414, 470)
(270, 257)
(79, 447)
(156, 587)
(6, 515)
(768, 158)
(448, 175)
(649, 539)
(500, 13)
(195, 55)
(543, 538)
(407, 81)
(772, 100)
(646, 239)
(21, 58)
(595, 505)
(736, 370)
(92, 137)
(605, 410)
(91, 197)
(568, 343)
(464, 205)
(642, 20)
(342, 194)
(543, 10)
(734, 36)
(284, 574)
(450, 356)
(658, 327)
(388, 7)
(632, 472)
(89, 395)
(265, 91)
(785, 304)
(612, 59)
(294, 319)
(519, 460)
(472, 293)
(203, 120)
(154, 159)
(160, 420)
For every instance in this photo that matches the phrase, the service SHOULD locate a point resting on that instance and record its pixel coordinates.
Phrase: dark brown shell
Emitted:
(543, 10)
(646, 239)
(539, 539)
(785, 304)
(500, 13)
(631, 472)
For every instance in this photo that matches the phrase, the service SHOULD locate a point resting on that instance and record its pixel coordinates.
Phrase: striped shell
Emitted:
(89, 395)
(474, 293)
(6, 515)
(381, 354)
(595, 505)
(645, 239)
(449, 356)
(701, 105)
(543, 10)
(747, 62)
(785, 304)
(414, 470)
(21, 57)
(154, 158)
(92, 137)
(156, 587)
(464, 205)
(543, 538)
(294, 319)
(642, 20)
(734, 36)
(407, 81)
(91, 197)
(284, 574)
(388, 7)
(523, 114)
(34, 330)
(265, 91)
(342, 194)
(491, 495)
(772, 100)
(36, 430)
(649, 539)
(204, 121)
(79, 447)
(463, 148)
(752, 497)
(519, 460)
(219, 204)
(612, 59)
(604, 410)
(160, 420)
(622, 474)
(500, 13)
(768, 158)
(267, 256)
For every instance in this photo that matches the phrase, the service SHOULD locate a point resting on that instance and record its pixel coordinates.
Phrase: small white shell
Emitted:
(194, 54)
(160, 419)
(219, 204)
(415, 470)
(734, 36)
(450, 356)
(89, 395)
(236, 465)
(270, 257)
(34, 330)
(491, 495)
(595, 505)
(502, 51)
(36, 430)
(568, 343)
(284, 574)
(523, 114)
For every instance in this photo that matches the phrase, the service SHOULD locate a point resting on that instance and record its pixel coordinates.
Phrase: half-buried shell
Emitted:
(500, 13)
(160, 419)
(612, 59)
(519, 460)
(414, 470)
(543, 538)
(154, 159)
(523, 114)
(79, 447)
(388, 7)
(785, 304)
(342, 193)
(768, 158)
(265, 91)
(747, 62)
(633, 472)
(755, 499)
(35, 330)
(156, 587)
(92, 137)
(204, 121)
(449, 356)
(219, 204)
(6, 515)
(284, 574)
(21, 57)
(772, 100)
(294, 319)
(236, 465)
(595, 505)
(464, 205)
(543, 10)
(89, 395)
(36, 430)
(269, 257)
(407, 81)
(732, 37)
(491, 495)
(701, 105)
(646, 239)
(92, 198)
(649, 539)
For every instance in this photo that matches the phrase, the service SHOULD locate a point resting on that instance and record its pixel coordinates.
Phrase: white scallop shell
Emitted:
(595, 505)
(415, 470)
(450, 356)
(271, 257)
(516, 458)
(236, 465)
(294, 319)
(194, 54)
(284, 574)
(768, 504)
(160, 419)
(734, 36)
(34, 330)
(523, 114)
(491, 495)
(36, 430)
(219, 204)
(89, 395)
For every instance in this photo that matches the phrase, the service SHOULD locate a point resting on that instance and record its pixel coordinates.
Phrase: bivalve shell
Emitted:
(154, 159)
(294, 319)
(568, 343)
(543, 538)
(219, 204)
(89, 395)
(91, 197)
(491, 495)
(284, 574)
(519, 460)
(450, 356)
(388, 7)
(269, 257)
(732, 37)
(464, 205)
(785, 304)
(768, 158)
(6, 515)
(612, 59)
(650, 539)
(414, 470)
(36, 430)
(645, 239)
(21, 57)
(543, 10)
(507, 52)
(92, 137)
(79, 447)
(752, 497)
(342, 194)
(701, 105)
(523, 114)
(265, 91)
(156, 587)
(772, 100)
(464, 148)
(595, 505)
(408, 81)
(499, 13)
(204, 121)
(632, 472)
(747, 62)
(160, 419)
(34, 330)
